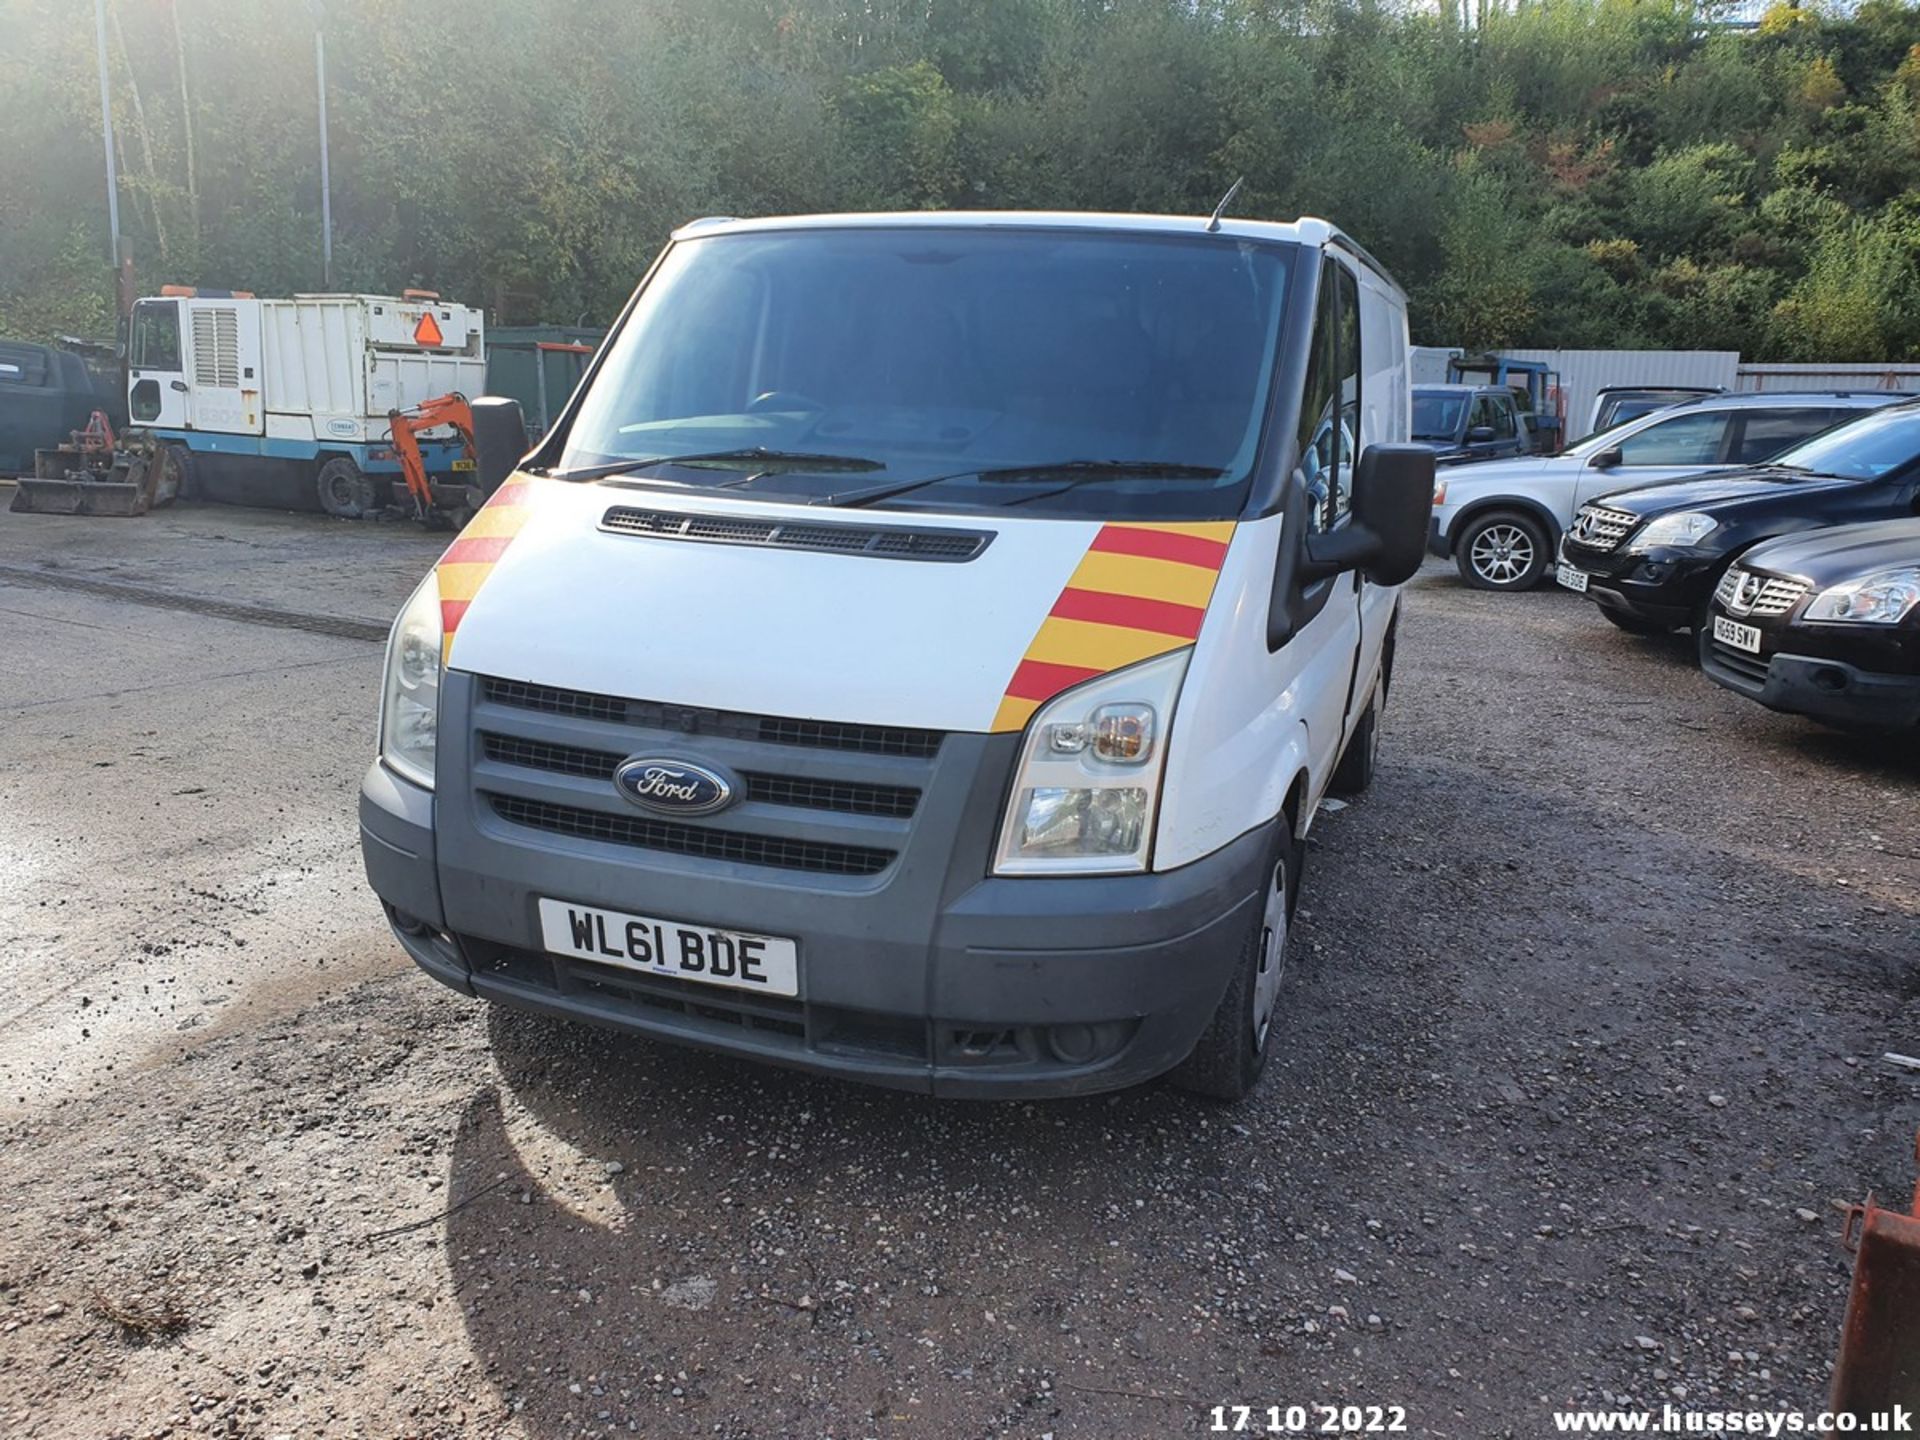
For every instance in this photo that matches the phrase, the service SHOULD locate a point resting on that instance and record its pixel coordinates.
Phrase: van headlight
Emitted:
(1688, 527)
(1883, 599)
(410, 697)
(1088, 783)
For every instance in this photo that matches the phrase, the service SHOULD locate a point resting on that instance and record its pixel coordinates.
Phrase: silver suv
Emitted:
(1500, 521)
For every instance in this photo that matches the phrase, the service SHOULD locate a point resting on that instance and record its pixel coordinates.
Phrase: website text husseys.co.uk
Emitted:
(1671, 1420)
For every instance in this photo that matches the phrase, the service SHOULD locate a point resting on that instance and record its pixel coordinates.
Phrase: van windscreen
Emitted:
(998, 365)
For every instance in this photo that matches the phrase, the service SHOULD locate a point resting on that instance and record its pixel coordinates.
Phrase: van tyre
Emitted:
(345, 493)
(1503, 550)
(1354, 773)
(1233, 1050)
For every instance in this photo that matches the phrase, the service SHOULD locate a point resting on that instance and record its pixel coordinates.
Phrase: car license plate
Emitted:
(464, 464)
(763, 963)
(1575, 580)
(1732, 632)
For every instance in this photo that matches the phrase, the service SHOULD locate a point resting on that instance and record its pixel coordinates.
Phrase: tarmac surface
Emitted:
(1582, 1048)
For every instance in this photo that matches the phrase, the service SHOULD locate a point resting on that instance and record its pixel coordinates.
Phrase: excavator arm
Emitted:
(407, 425)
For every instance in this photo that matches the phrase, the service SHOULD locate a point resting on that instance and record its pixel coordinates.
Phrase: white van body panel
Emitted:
(1241, 731)
(736, 627)
(1388, 421)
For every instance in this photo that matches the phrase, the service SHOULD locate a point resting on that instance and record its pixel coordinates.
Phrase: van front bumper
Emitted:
(1013, 987)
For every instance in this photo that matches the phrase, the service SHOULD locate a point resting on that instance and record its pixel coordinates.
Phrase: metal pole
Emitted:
(326, 186)
(106, 130)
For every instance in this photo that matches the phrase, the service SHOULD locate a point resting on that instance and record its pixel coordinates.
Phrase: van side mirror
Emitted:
(1607, 458)
(499, 437)
(1480, 434)
(1392, 506)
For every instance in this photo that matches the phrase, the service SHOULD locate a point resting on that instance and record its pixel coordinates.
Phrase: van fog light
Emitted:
(1084, 1044)
(1830, 679)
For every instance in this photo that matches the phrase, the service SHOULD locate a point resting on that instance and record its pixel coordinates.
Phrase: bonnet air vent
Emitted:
(882, 542)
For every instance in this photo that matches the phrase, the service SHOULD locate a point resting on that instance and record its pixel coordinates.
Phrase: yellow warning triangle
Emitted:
(427, 332)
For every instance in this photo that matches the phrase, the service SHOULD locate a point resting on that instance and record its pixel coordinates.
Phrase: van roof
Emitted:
(1308, 230)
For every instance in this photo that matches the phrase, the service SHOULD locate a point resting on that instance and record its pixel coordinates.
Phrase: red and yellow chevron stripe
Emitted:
(471, 557)
(1139, 591)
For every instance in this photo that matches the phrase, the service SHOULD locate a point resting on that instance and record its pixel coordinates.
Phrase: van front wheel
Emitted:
(1233, 1050)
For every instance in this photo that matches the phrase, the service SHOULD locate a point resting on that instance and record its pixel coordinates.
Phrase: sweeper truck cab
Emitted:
(919, 651)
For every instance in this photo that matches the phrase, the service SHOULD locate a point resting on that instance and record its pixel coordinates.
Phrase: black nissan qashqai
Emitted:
(1650, 558)
(1825, 624)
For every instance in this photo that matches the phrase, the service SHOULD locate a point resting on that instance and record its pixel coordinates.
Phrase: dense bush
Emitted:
(1578, 172)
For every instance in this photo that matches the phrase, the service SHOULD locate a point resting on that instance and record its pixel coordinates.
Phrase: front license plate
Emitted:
(763, 963)
(465, 464)
(1732, 632)
(1575, 580)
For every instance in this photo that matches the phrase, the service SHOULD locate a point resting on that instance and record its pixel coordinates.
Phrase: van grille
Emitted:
(816, 796)
(890, 542)
(673, 837)
(731, 725)
(842, 797)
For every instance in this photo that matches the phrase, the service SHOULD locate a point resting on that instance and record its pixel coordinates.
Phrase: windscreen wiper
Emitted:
(1105, 470)
(1073, 471)
(750, 456)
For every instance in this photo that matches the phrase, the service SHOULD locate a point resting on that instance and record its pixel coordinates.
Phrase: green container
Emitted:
(539, 365)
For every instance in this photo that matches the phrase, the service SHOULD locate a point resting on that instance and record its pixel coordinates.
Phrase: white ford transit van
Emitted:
(919, 650)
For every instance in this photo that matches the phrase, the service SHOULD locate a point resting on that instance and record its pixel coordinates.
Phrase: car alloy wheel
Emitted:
(1501, 554)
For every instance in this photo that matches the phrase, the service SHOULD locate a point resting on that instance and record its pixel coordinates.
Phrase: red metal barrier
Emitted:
(1879, 1364)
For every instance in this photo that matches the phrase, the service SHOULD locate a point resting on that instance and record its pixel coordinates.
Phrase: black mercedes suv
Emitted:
(1650, 558)
(1825, 624)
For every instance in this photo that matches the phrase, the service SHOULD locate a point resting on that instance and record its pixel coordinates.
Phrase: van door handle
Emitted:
(179, 385)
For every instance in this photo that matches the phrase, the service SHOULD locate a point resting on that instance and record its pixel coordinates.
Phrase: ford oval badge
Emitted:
(673, 787)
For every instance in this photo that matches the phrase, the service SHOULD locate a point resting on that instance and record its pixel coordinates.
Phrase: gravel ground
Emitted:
(1583, 1050)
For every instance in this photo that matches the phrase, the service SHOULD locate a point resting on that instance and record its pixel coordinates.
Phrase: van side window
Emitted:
(1505, 423)
(1318, 421)
(1348, 347)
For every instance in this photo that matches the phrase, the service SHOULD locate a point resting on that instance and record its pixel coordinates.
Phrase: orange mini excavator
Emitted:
(493, 437)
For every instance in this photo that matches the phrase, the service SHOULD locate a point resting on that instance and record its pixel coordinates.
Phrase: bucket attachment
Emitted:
(96, 474)
(1879, 1364)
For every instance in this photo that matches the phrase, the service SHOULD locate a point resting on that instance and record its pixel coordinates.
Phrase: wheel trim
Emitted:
(1501, 554)
(1272, 957)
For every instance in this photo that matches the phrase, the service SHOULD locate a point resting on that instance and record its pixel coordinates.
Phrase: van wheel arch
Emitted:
(1232, 1052)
